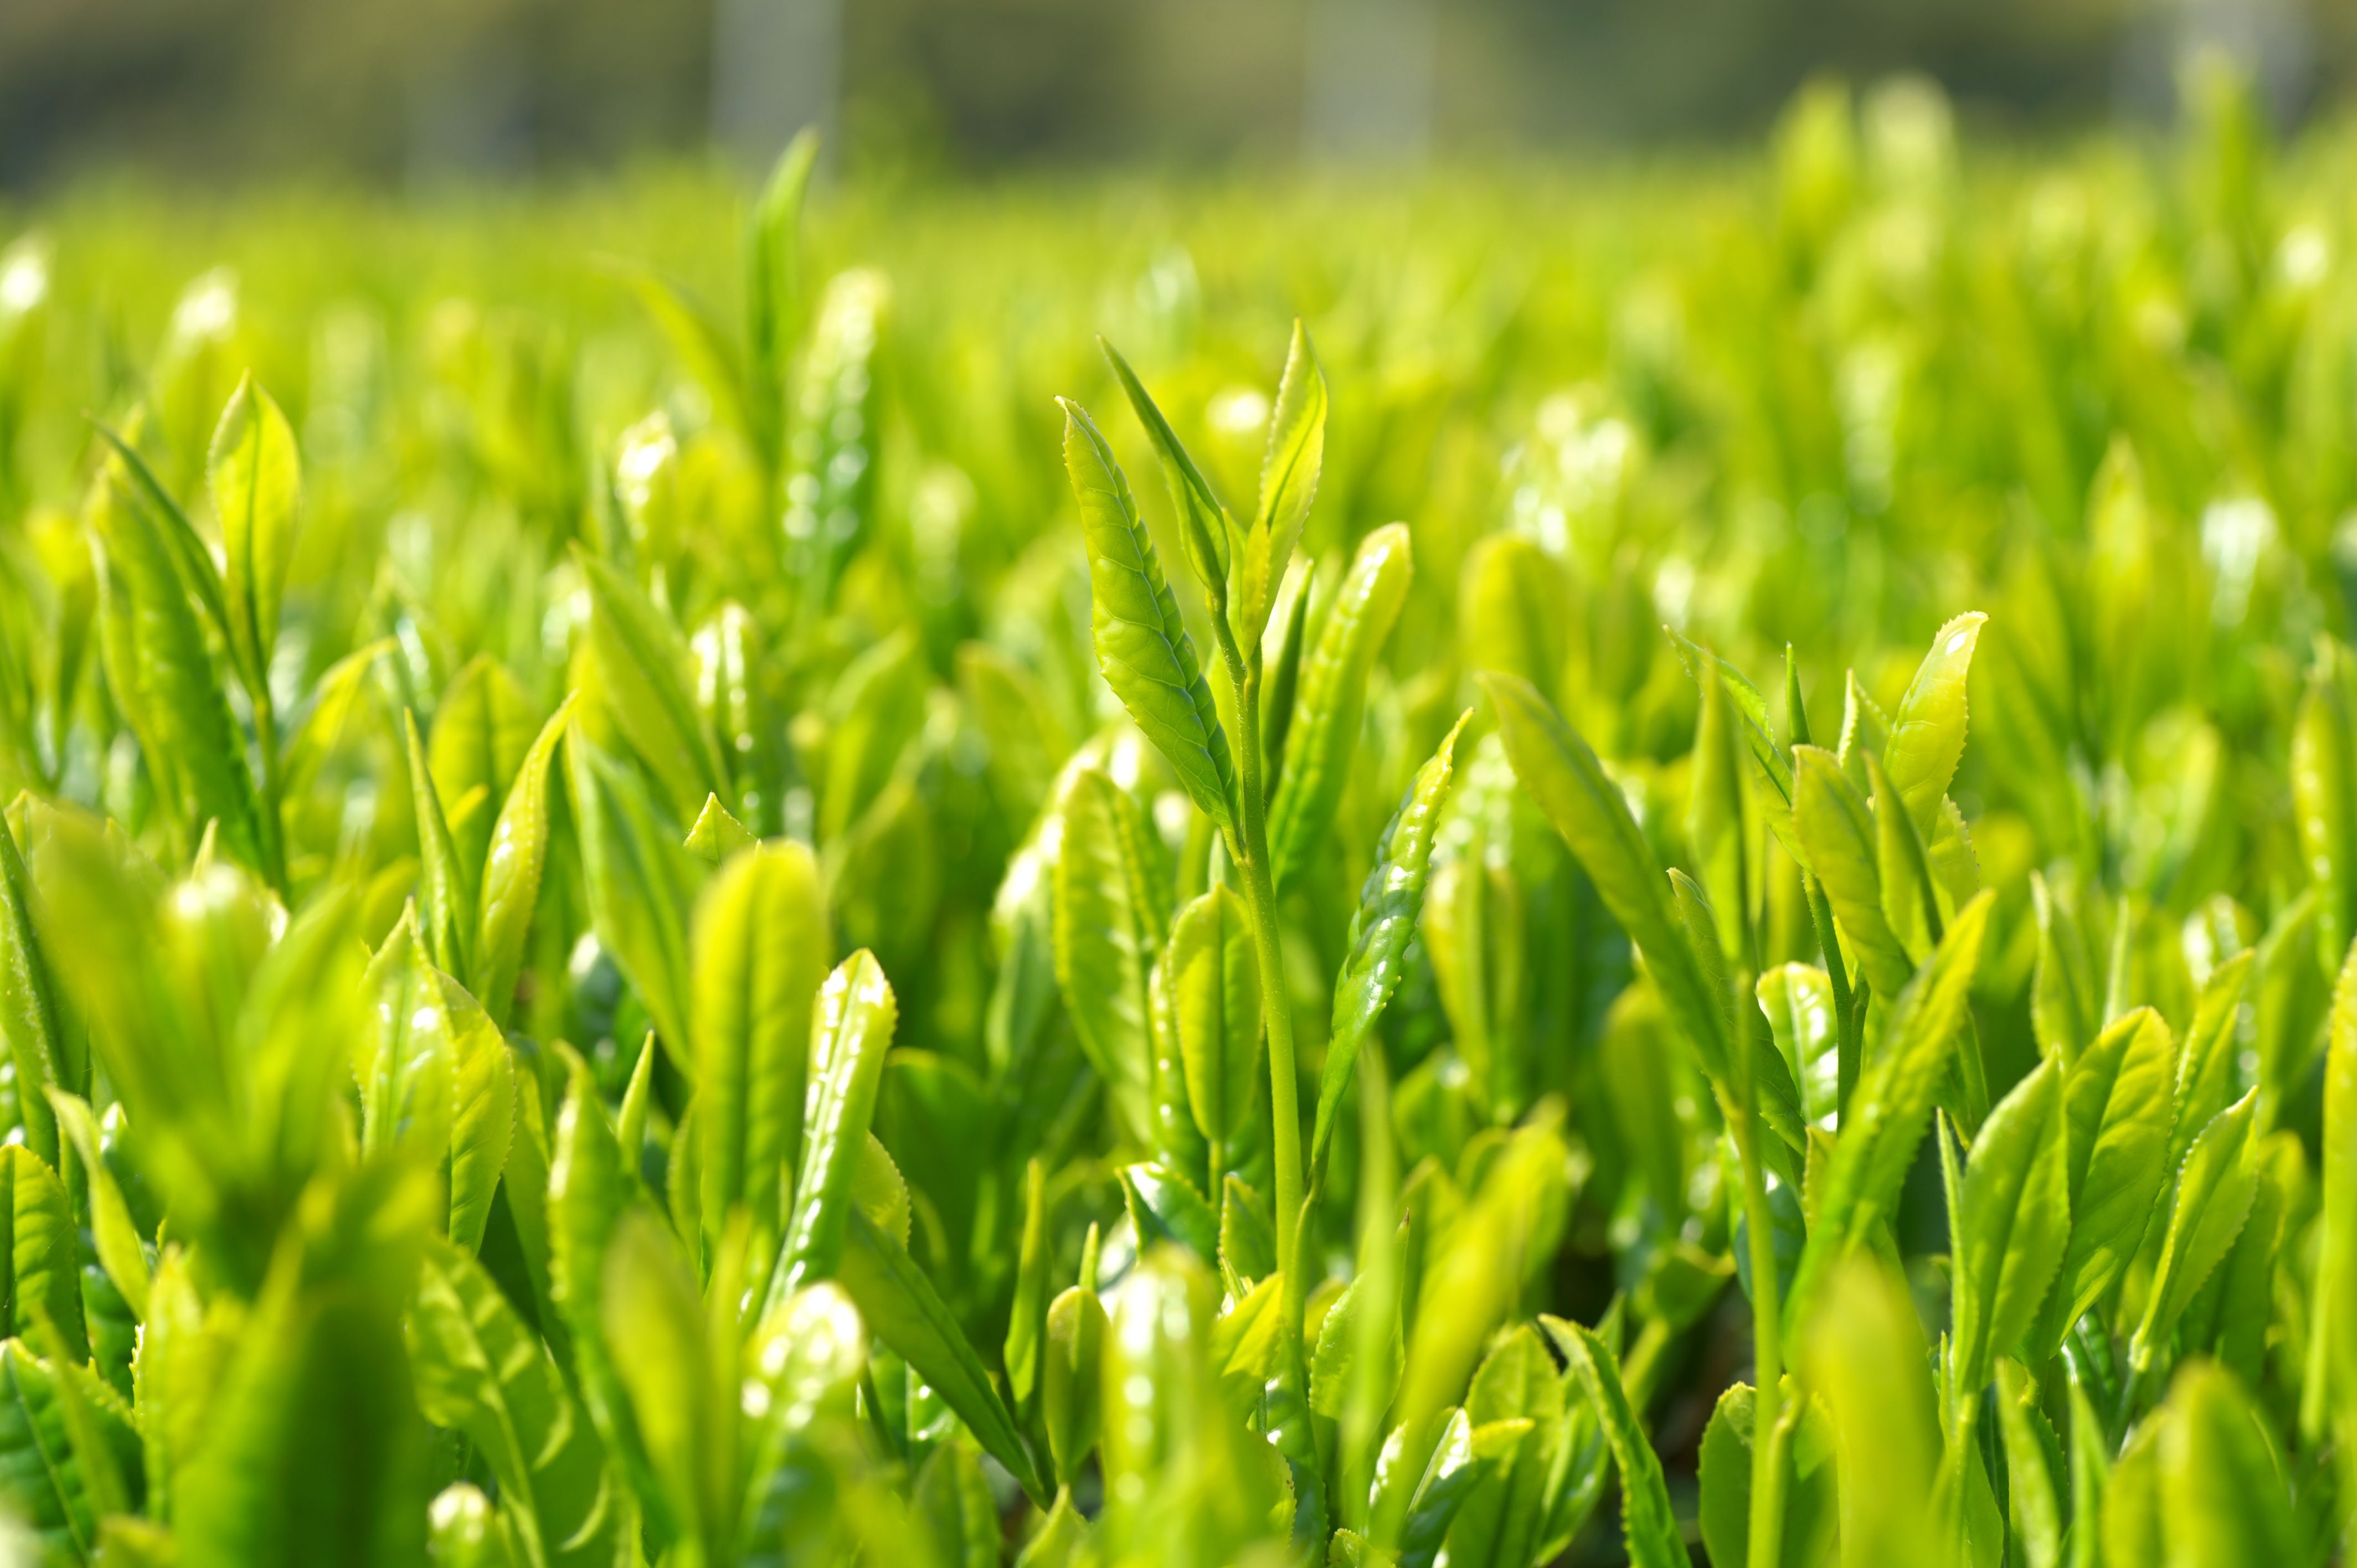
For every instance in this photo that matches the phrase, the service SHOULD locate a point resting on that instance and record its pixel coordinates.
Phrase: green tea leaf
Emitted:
(1749, 711)
(903, 1310)
(801, 1367)
(1473, 1284)
(1027, 1322)
(2334, 1352)
(1511, 607)
(1588, 809)
(2205, 1059)
(760, 949)
(44, 1053)
(1289, 483)
(1837, 835)
(445, 885)
(481, 1371)
(1281, 687)
(1165, 1207)
(1504, 1519)
(1865, 733)
(1204, 526)
(1799, 1001)
(2132, 1527)
(1324, 734)
(1071, 1379)
(512, 871)
(1026, 740)
(2324, 790)
(851, 1030)
(588, 1188)
(682, 1392)
(1110, 903)
(2223, 1496)
(1214, 977)
(2207, 1206)
(2032, 1454)
(1927, 732)
(1390, 902)
(643, 670)
(1142, 645)
(642, 885)
(717, 835)
(157, 660)
(2117, 1102)
(2017, 1222)
(37, 1471)
(1469, 1459)
(1061, 1541)
(702, 348)
(953, 1504)
(112, 1231)
(272, 1485)
(126, 478)
(1648, 1524)
(43, 1266)
(1862, 1353)
(1812, 1504)
(483, 1115)
(1716, 819)
(2064, 1007)
(1181, 1143)
(483, 731)
(256, 480)
(1886, 1120)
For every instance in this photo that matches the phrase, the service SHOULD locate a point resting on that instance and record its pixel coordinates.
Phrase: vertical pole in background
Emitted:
(1367, 97)
(776, 67)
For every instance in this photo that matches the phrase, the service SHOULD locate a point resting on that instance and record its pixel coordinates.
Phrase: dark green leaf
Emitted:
(1648, 1524)
(903, 1310)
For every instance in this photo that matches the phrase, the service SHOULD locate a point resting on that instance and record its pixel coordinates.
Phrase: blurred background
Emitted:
(407, 91)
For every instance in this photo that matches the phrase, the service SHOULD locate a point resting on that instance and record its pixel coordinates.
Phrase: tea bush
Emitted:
(1697, 848)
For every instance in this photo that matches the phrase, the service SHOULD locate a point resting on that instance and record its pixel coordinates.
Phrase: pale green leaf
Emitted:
(1324, 734)
(1142, 645)
(256, 480)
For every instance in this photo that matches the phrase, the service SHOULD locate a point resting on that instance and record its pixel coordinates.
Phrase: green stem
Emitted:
(1950, 1491)
(1260, 896)
(1767, 1351)
(1849, 1046)
(2131, 1385)
(274, 819)
(1248, 847)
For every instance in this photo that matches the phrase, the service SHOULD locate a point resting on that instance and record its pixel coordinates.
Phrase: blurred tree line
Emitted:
(399, 90)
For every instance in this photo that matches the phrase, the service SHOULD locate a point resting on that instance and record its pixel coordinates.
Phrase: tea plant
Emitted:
(627, 946)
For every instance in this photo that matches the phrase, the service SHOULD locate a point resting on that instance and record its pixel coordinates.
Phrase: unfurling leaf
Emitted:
(1142, 646)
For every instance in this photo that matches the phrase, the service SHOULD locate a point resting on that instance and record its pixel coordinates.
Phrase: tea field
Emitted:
(1650, 862)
